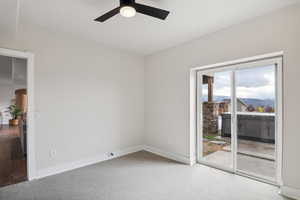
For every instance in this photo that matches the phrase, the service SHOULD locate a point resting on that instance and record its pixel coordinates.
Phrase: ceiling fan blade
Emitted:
(108, 15)
(151, 11)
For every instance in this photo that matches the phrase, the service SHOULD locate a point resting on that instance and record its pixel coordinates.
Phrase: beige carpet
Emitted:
(142, 176)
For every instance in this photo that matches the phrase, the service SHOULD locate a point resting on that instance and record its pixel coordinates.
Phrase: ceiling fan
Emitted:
(128, 8)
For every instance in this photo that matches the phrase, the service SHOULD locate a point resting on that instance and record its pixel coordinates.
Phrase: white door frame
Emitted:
(31, 164)
(195, 107)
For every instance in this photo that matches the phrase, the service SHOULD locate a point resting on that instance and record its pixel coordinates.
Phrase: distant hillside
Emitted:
(249, 101)
(259, 102)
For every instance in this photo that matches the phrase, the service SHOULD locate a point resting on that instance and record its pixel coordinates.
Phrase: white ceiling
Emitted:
(189, 19)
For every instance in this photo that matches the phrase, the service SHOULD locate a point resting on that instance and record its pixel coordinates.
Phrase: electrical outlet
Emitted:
(52, 153)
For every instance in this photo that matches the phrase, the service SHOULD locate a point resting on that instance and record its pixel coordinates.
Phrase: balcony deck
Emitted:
(254, 157)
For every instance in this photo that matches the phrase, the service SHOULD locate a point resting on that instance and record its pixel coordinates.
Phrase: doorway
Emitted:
(17, 158)
(13, 120)
(239, 118)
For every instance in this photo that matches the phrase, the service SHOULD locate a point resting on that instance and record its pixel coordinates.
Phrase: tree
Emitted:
(250, 108)
(260, 109)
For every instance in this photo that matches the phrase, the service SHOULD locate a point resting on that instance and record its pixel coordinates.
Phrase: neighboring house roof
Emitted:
(239, 101)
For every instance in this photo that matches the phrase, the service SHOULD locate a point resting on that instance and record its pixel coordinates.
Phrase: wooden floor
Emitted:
(12, 161)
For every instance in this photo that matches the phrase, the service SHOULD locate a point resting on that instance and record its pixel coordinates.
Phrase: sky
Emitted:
(256, 83)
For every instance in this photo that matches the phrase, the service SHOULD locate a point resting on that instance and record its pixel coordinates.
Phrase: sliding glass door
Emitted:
(238, 112)
(214, 108)
(255, 97)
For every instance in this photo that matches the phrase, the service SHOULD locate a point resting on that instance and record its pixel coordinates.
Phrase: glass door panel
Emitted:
(215, 97)
(255, 106)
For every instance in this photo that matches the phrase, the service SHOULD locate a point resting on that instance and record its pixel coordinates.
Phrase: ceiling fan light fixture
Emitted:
(129, 8)
(127, 11)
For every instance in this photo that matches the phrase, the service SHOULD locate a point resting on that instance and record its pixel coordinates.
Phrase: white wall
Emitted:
(6, 86)
(6, 96)
(89, 99)
(19, 74)
(167, 81)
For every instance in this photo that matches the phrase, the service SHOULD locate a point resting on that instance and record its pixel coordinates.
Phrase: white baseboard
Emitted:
(290, 192)
(85, 162)
(105, 156)
(172, 156)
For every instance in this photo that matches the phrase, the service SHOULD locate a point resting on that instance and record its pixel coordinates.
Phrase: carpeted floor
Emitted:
(142, 176)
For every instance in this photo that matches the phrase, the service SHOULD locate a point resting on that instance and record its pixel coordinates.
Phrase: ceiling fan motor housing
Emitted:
(126, 2)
